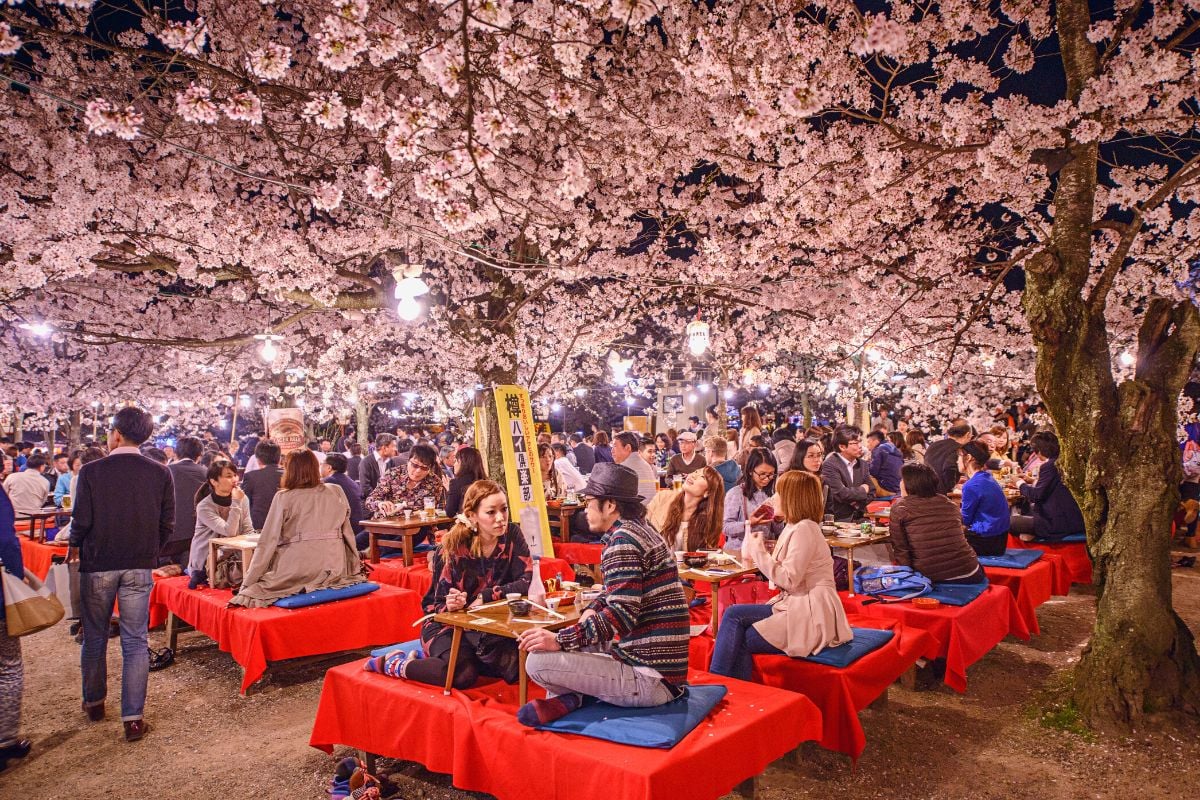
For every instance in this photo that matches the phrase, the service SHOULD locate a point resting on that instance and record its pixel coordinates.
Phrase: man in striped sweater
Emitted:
(643, 606)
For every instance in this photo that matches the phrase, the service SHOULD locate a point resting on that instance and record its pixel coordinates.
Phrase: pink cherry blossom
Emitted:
(10, 43)
(195, 104)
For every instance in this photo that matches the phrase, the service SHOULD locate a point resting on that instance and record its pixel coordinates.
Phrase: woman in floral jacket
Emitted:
(481, 559)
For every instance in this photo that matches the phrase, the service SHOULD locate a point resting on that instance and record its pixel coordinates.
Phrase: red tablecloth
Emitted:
(578, 553)
(1031, 587)
(749, 590)
(36, 556)
(960, 634)
(392, 572)
(475, 738)
(1074, 554)
(254, 636)
(842, 693)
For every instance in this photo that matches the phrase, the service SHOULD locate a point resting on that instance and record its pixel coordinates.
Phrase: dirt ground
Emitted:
(208, 743)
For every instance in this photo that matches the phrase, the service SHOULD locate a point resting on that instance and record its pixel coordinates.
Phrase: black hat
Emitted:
(610, 481)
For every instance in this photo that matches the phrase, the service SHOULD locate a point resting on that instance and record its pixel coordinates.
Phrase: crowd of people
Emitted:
(761, 496)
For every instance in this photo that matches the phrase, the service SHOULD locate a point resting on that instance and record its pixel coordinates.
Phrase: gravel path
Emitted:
(210, 744)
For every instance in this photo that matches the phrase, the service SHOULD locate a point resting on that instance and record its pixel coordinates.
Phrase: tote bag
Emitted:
(28, 605)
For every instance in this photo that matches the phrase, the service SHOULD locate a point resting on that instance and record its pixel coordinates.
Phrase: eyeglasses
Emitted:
(763, 476)
(417, 466)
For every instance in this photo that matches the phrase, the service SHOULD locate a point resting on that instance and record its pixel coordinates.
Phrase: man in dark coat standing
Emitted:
(942, 456)
(124, 513)
(188, 477)
(260, 485)
(585, 454)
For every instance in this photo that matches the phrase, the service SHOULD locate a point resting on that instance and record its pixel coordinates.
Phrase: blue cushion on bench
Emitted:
(866, 640)
(957, 594)
(1070, 537)
(1012, 559)
(660, 726)
(424, 547)
(404, 647)
(305, 599)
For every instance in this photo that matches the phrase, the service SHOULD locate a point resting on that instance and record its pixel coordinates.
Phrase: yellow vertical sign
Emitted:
(522, 472)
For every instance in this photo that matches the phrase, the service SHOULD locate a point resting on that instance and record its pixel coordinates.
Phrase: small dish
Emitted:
(926, 602)
(588, 595)
(695, 560)
(519, 608)
(563, 598)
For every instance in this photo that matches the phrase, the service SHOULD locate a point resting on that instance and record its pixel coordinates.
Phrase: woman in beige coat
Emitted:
(806, 616)
(307, 542)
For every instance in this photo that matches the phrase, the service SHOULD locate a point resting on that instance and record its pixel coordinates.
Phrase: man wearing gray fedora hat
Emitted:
(642, 605)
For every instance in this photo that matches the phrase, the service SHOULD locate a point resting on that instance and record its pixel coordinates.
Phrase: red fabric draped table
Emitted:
(1074, 555)
(474, 737)
(960, 634)
(578, 552)
(254, 636)
(37, 556)
(1031, 587)
(748, 590)
(392, 572)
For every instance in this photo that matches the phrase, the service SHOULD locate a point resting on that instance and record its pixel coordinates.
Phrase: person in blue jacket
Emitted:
(985, 512)
(12, 675)
(886, 461)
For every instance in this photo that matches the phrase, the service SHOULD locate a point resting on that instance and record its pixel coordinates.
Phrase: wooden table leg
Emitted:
(408, 549)
(523, 679)
(212, 564)
(715, 600)
(454, 644)
(850, 570)
(172, 630)
(373, 547)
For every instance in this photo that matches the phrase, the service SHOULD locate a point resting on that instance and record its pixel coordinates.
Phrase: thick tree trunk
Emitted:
(362, 416)
(74, 430)
(1119, 456)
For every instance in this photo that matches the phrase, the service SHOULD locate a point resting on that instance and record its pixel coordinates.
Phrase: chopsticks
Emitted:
(549, 611)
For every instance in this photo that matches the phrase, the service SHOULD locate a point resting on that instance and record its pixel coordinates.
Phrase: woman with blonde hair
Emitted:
(806, 616)
(690, 518)
(481, 559)
(307, 541)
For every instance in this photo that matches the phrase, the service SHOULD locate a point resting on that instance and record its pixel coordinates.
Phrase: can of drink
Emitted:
(865, 528)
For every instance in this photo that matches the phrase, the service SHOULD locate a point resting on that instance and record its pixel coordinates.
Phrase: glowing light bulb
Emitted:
(408, 309)
(704, 387)
(729, 394)
(834, 386)
(1127, 359)
(692, 398)
(268, 351)
(555, 407)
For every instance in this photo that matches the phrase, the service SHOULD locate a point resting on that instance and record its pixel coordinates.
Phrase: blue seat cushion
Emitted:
(662, 726)
(866, 640)
(424, 547)
(403, 647)
(305, 599)
(1012, 559)
(1070, 537)
(957, 594)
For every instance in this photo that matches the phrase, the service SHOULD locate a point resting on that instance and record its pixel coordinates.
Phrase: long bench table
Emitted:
(474, 737)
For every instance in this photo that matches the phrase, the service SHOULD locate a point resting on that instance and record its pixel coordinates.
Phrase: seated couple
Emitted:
(306, 544)
(642, 604)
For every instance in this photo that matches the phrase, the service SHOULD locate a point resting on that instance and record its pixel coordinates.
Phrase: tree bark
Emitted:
(1119, 456)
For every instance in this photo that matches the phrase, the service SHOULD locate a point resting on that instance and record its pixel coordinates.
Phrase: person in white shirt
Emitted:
(572, 480)
(626, 452)
(28, 489)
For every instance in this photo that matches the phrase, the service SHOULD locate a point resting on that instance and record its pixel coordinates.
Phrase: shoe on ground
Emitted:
(15, 751)
(136, 729)
(95, 713)
(160, 659)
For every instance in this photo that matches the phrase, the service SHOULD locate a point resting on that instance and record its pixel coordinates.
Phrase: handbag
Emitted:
(900, 583)
(28, 605)
(228, 572)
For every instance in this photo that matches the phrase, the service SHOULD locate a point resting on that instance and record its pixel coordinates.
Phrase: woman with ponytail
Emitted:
(222, 510)
(481, 559)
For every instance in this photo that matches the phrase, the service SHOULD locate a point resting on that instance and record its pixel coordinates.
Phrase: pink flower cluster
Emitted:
(102, 118)
(188, 37)
(195, 104)
(10, 43)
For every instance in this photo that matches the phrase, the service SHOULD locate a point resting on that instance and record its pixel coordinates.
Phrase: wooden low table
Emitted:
(502, 623)
(246, 544)
(42, 519)
(838, 541)
(398, 531)
(564, 513)
(708, 575)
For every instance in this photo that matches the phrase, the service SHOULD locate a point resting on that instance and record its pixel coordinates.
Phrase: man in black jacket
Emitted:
(375, 465)
(846, 476)
(124, 513)
(585, 455)
(942, 456)
(188, 477)
(260, 485)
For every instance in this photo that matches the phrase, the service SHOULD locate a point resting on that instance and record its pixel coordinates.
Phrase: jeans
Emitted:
(130, 588)
(737, 641)
(597, 675)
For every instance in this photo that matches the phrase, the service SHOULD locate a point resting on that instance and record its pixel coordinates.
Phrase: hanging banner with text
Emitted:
(522, 472)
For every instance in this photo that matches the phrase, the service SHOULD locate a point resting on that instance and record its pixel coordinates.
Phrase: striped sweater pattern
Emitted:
(643, 604)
